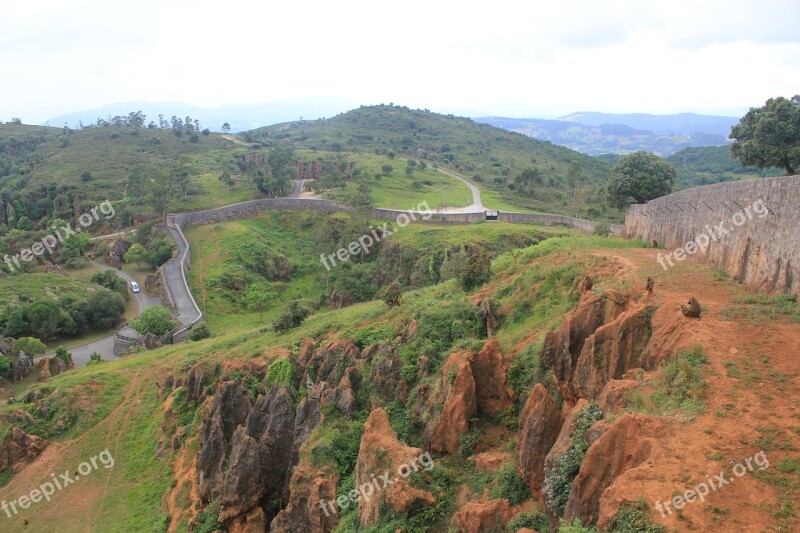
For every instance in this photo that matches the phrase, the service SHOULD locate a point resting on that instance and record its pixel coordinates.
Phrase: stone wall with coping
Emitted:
(760, 252)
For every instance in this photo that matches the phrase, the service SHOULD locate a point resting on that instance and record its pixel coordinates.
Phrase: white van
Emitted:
(134, 286)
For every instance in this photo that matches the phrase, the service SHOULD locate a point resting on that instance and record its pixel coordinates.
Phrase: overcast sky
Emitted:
(521, 58)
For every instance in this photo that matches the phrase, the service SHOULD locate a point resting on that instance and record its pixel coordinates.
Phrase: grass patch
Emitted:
(679, 388)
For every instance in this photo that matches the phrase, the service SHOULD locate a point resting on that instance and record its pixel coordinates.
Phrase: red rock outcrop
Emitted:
(254, 521)
(382, 454)
(460, 404)
(489, 371)
(483, 516)
(539, 426)
(628, 442)
(563, 347)
(612, 395)
(308, 490)
(19, 448)
(612, 350)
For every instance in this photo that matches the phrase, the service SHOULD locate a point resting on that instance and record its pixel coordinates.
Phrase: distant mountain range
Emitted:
(241, 117)
(602, 133)
(589, 132)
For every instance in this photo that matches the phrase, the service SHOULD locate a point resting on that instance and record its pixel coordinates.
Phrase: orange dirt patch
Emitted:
(752, 405)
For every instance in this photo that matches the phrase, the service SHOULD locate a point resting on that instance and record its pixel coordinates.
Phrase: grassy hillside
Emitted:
(59, 166)
(712, 164)
(492, 157)
(279, 254)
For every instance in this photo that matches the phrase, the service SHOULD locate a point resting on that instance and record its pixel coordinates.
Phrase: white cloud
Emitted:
(501, 57)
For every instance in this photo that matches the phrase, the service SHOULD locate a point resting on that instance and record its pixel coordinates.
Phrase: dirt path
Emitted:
(752, 404)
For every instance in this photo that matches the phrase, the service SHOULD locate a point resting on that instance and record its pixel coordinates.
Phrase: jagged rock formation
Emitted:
(116, 255)
(600, 340)
(627, 443)
(372, 463)
(483, 516)
(539, 426)
(51, 366)
(487, 316)
(19, 448)
(457, 395)
(489, 370)
(309, 488)
(229, 410)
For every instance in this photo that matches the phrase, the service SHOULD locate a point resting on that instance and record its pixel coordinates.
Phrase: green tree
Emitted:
(291, 316)
(30, 346)
(226, 128)
(394, 294)
(104, 309)
(769, 136)
(15, 324)
(258, 299)
(5, 367)
(77, 243)
(225, 178)
(387, 169)
(640, 177)
(160, 192)
(136, 254)
(155, 320)
(45, 318)
(24, 224)
(362, 198)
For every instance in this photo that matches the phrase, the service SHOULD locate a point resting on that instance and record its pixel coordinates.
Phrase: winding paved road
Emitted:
(105, 346)
(477, 204)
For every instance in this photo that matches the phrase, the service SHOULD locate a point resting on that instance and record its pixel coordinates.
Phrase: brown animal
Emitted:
(586, 284)
(693, 309)
(650, 285)
(655, 243)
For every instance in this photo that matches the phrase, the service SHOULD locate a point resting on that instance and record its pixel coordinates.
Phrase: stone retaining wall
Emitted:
(760, 252)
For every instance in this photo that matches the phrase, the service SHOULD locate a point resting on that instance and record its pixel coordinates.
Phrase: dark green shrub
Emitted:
(535, 520)
(199, 332)
(634, 517)
(511, 486)
(292, 316)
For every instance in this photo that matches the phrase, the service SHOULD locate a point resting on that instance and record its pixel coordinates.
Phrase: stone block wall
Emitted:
(762, 252)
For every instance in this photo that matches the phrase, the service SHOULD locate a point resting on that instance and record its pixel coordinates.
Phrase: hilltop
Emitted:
(559, 180)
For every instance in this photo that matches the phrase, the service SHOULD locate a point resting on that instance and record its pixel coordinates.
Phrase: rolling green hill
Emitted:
(562, 181)
(712, 164)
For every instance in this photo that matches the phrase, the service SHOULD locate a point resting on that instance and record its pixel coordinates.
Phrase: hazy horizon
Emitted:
(511, 60)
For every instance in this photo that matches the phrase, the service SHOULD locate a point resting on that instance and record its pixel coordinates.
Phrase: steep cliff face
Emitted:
(600, 340)
(229, 409)
(628, 443)
(380, 457)
(309, 489)
(489, 371)
(539, 426)
(457, 395)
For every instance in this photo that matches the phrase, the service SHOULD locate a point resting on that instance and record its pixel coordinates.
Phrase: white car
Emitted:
(135, 286)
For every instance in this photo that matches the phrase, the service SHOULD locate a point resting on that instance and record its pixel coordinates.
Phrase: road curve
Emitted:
(105, 346)
(477, 204)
